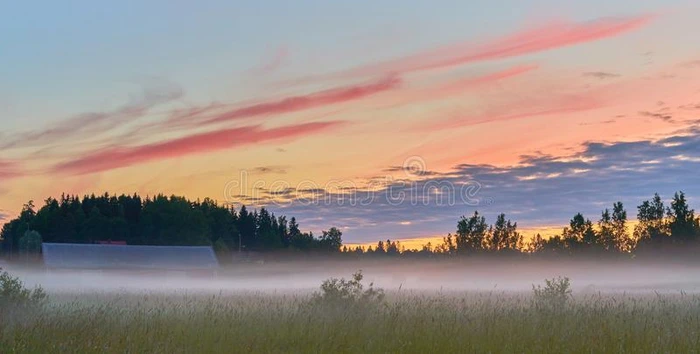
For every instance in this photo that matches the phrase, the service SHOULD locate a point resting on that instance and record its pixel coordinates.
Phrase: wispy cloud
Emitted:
(452, 88)
(526, 108)
(690, 106)
(86, 124)
(273, 63)
(601, 75)
(541, 38)
(9, 169)
(212, 114)
(662, 115)
(313, 100)
(497, 76)
(119, 157)
(277, 170)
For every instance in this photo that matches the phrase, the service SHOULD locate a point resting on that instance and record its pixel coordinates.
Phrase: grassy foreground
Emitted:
(471, 323)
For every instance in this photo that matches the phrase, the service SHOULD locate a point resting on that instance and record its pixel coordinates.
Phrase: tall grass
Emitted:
(405, 322)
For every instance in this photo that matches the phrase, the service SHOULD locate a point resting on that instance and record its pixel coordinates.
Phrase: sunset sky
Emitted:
(386, 119)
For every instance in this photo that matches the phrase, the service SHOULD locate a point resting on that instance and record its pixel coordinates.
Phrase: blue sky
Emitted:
(82, 55)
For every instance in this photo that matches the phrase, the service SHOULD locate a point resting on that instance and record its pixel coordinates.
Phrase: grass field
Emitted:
(404, 322)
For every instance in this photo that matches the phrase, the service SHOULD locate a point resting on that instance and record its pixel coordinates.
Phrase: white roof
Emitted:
(96, 256)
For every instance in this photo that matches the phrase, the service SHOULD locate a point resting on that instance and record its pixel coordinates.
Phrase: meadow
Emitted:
(403, 321)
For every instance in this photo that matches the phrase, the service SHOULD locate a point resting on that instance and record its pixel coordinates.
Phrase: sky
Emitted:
(386, 119)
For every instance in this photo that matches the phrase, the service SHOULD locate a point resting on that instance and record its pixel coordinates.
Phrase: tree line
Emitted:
(160, 220)
(177, 221)
(658, 228)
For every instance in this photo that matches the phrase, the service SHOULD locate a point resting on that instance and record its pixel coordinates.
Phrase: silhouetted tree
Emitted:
(613, 229)
(555, 245)
(682, 224)
(606, 234)
(427, 248)
(448, 245)
(651, 228)
(268, 236)
(246, 225)
(393, 248)
(331, 240)
(619, 227)
(304, 241)
(580, 234)
(30, 242)
(15, 229)
(471, 234)
(158, 220)
(503, 235)
(294, 236)
(380, 247)
(536, 244)
(161, 220)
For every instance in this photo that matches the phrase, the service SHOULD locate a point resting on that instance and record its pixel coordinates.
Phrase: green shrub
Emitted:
(342, 292)
(13, 293)
(555, 294)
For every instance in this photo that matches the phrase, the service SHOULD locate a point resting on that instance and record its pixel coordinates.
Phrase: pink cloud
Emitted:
(545, 37)
(497, 76)
(462, 85)
(216, 112)
(9, 169)
(119, 157)
(313, 100)
(526, 108)
(437, 92)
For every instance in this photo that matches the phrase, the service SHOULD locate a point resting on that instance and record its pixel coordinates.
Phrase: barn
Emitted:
(130, 258)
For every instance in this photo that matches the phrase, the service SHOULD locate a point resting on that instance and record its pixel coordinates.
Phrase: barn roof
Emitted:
(96, 256)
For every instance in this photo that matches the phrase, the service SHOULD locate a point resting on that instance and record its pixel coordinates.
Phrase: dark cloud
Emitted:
(609, 121)
(278, 170)
(411, 170)
(540, 190)
(283, 192)
(658, 115)
(312, 191)
(601, 75)
(690, 107)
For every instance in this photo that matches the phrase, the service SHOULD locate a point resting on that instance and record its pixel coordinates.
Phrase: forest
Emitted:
(177, 221)
(160, 221)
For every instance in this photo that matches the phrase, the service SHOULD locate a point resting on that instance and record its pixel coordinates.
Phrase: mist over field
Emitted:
(587, 277)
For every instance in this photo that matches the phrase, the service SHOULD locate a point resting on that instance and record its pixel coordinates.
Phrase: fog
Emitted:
(421, 275)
